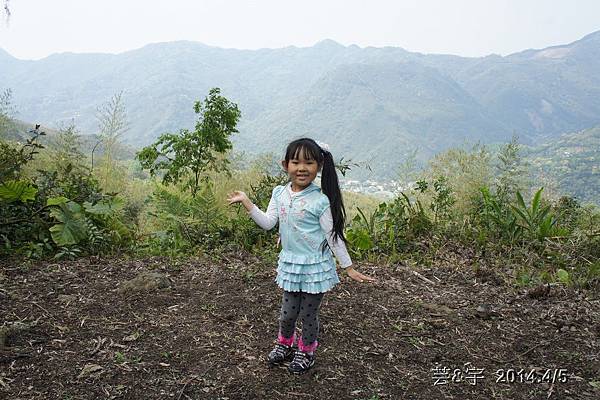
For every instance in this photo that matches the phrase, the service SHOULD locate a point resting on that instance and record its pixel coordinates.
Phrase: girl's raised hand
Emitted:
(236, 197)
(357, 276)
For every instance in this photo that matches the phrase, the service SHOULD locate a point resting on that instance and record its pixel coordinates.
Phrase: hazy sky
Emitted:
(38, 28)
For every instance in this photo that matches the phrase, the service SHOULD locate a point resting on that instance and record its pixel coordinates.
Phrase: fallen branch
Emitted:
(418, 275)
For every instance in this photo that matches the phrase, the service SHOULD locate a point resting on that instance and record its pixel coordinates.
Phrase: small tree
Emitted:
(189, 154)
(112, 123)
(67, 144)
(7, 111)
(511, 171)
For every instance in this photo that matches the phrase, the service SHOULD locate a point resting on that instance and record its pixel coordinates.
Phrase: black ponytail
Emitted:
(331, 187)
(329, 181)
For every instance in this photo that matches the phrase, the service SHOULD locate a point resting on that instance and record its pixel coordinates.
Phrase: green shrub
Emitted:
(389, 228)
(495, 219)
(536, 220)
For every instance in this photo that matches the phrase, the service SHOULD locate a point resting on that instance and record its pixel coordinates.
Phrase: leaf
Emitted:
(520, 213)
(72, 228)
(520, 200)
(104, 207)
(17, 191)
(56, 201)
(563, 275)
(536, 201)
(360, 239)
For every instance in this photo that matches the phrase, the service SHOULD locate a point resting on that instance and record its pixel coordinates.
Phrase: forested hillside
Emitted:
(373, 104)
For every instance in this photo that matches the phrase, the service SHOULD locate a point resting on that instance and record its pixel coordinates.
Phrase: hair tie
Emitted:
(324, 146)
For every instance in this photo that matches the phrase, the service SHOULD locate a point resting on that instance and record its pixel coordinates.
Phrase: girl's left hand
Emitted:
(357, 276)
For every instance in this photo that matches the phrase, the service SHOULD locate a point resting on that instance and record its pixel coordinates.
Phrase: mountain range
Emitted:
(374, 105)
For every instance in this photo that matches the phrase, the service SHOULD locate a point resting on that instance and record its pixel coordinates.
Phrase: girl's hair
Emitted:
(310, 150)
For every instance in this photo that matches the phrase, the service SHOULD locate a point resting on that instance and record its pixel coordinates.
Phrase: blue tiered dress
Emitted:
(302, 266)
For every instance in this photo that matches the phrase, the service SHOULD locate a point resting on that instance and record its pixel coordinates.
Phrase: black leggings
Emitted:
(304, 305)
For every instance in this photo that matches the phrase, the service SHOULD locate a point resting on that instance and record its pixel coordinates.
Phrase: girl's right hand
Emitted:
(237, 197)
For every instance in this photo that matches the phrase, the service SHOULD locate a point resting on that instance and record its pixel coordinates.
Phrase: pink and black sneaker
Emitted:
(304, 357)
(280, 353)
(283, 350)
(302, 362)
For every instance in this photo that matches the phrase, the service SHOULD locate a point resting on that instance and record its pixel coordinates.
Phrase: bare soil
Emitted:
(83, 330)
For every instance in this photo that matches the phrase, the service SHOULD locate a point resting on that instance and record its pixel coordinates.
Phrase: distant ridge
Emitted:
(373, 104)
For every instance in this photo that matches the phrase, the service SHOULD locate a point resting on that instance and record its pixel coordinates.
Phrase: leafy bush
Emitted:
(536, 220)
(186, 221)
(244, 232)
(58, 209)
(568, 211)
(389, 228)
(442, 199)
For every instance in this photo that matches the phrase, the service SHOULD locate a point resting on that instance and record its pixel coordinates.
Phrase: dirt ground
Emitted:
(82, 330)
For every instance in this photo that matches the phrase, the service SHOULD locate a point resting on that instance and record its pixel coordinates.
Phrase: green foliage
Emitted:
(569, 164)
(563, 276)
(587, 275)
(14, 158)
(105, 207)
(51, 204)
(524, 277)
(83, 224)
(17, 191)
(185, 221)
(466, 170)
(37, 249)
(243, 231)
(70, 252)
(71, 228)
(535, 219)
(390, 228)
(568, 212)
(112, 124)
(7, 112)
(442, 198)
(59, 208)
(67, 146)
(511, 171)
(261, 192)
(185, 156)
(362, 233)
(496, 219)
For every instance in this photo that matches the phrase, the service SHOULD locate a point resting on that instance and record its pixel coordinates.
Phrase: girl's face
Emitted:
(302, 171)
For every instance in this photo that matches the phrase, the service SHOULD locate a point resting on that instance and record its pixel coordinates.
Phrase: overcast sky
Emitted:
(39, 28)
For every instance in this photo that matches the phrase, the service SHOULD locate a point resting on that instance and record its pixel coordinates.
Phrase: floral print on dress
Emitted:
(299, 210)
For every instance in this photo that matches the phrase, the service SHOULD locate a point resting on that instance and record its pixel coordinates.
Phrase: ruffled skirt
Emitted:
(317, 277)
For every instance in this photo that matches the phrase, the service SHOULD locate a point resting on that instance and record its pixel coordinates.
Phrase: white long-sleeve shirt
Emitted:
(267, 220)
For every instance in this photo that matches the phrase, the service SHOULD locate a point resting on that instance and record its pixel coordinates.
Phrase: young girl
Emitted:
(311, 226)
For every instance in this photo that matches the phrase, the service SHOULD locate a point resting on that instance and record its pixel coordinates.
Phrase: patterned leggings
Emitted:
(306, 306)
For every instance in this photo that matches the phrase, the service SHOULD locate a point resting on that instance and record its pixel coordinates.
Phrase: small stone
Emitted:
(145, 281)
